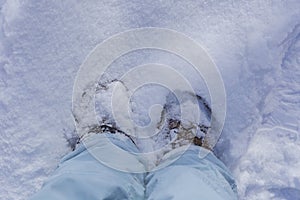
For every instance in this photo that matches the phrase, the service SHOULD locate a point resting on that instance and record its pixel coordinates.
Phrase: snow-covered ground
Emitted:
(255, 44)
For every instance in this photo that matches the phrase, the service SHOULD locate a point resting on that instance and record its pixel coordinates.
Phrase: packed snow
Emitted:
(255, 44)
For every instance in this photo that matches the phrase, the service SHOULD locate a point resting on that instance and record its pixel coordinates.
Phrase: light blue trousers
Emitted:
(80, 176)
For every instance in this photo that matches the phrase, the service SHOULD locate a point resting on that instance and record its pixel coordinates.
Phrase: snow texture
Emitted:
(255, 44)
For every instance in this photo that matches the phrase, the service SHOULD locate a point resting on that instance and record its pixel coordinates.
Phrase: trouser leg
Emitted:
(80, 176)
(191, 177)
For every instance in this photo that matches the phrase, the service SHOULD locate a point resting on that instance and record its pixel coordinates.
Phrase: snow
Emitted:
(255, 45)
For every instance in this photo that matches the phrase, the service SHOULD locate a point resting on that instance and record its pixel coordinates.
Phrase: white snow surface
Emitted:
(255, 44)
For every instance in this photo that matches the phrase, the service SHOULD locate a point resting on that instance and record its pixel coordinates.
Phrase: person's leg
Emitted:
(192, 176)
(80, 176)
